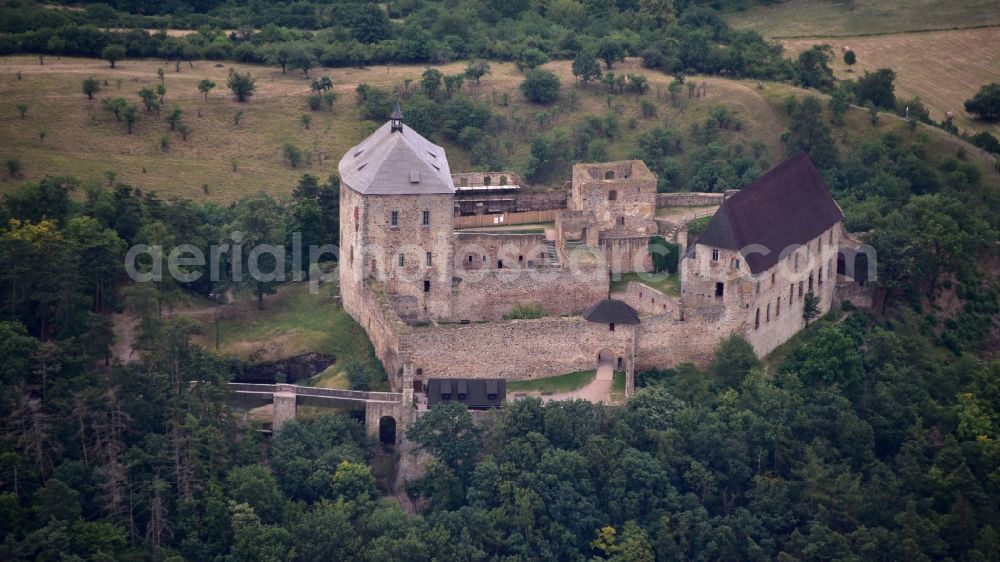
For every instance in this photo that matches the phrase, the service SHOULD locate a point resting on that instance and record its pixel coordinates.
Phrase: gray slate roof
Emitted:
(610, 311)
(400, 163)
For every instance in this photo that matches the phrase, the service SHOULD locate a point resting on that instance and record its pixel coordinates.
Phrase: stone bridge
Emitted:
(386, 413)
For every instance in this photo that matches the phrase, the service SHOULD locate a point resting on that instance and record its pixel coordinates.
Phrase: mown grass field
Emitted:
(807, 18)
(942, 68)
(84, 140)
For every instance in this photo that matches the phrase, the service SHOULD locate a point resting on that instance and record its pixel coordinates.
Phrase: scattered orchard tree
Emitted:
(237, 117)
(293, 156)
(878, 88)
(586, 67)
(242, 85)
(850, 58)
(205, 86)
(149, 98)
(329, 98)
(323, 84)
(610, 51)
(529, 58)
(22, 108)
(42, 133)
(184, 130)
(430, 82)
(303, 59)
(315, 102)
(90, 87)
(115, 106)
(540, 86)
(306, 120)
(131, 114)
(14, 167)
(477, 69)
(113, 54)
(174, 117)
(674, 89)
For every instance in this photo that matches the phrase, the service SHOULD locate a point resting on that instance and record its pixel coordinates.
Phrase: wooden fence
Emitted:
(505, 219)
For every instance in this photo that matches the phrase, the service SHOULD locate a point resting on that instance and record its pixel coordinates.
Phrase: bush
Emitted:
(242, 85)
(540, 86)
(525, 311)
(293, 156)
(986, 103)
(359, 377)
(315, 102)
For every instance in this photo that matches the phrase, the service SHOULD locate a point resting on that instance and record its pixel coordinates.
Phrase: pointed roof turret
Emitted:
(397, 119)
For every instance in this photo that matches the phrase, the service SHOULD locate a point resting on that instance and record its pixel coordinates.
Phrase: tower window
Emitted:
(736, 265)
(486, 181)
(394, 218)
(715, 255)
(427, 217)
(609, 175)
(777, 308)
(719, 289)
(756, 320)
(768, 317)
(427, 285)
(613, 195)
(402, 261)
(429, 258)
(800, 289)
(611, 326)
(621, 221)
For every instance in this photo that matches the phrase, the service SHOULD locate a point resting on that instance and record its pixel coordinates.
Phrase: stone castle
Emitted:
(433, 298)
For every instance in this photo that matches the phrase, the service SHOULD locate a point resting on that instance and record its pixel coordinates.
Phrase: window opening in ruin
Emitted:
(768, 317)
(401, 260)
(621, 221)
(609, 175)
(613, 195)
(427, 218)
(394, 218)
(719, 288)
(427, 286)
(486, 180)
(499, 264)
(503, 180)
(611, 326)
(777, 308)
(756, 320)
(800, 289)
(429, 259)
(715, 255)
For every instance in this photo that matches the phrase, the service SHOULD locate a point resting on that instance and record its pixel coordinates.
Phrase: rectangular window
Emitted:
(796, 261)
(768, 317)
(800, 290)
(831, 235)
(719, 289)
(427, 218)
(736, 264)
(429, 258)
(777, 308)
(820, 276)
(394, 219)
(715, 255)
(401, 260)
(427, 286)
(772, 279)
(791, 292)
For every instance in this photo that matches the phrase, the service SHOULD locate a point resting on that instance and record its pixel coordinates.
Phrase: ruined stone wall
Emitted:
(649, 301)
(514, 350)
(629, 196)
(483, 250)
(627, 254)
(464, 179)
(541, 200)
(666, 342)
(489, 294)
(694, 199)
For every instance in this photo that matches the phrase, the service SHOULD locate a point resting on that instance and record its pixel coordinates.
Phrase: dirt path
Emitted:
(597, 390)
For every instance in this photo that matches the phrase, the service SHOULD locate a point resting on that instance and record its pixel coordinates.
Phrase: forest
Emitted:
(872, 435)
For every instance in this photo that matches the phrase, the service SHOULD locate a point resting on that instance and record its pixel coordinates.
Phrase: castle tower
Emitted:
(396, 222)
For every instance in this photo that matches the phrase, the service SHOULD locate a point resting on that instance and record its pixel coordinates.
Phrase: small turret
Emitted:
(396, 119)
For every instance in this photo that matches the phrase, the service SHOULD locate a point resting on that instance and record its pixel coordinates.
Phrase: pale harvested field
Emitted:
(942, 68)
(826, 18)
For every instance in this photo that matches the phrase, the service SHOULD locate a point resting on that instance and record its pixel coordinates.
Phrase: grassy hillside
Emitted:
(808, 18)
(84, 140)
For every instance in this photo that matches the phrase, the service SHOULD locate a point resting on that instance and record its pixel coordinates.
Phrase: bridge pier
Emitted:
(283, 409)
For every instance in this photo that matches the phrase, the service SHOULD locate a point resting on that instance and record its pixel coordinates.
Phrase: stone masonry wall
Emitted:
(489, 294)
(627, 254)
(649, 301)
(515, 349)
(512, 250)
(695, 199)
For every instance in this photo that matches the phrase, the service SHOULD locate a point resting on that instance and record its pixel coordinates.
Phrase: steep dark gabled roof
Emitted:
(610, 311)
(788, 205)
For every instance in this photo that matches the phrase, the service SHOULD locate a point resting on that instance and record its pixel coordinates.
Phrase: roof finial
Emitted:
(396, 119)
